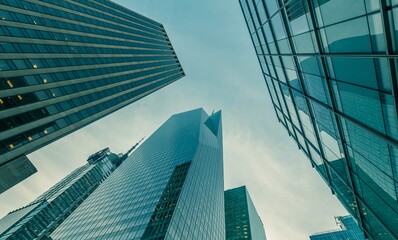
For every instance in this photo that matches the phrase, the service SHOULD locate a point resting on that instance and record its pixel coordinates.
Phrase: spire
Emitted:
(124, 156)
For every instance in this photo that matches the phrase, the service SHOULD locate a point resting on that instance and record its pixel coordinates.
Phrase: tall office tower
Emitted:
(348, 230)
(330, 68)
(170, 187)
(38, 219)
(65, 64)
(241, 218)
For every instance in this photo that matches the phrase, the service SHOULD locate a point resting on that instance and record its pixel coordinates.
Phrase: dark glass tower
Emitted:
(38, 219)
(65, 64)
(348, 230)
(241, 218)
(171, 187)
(330, 68)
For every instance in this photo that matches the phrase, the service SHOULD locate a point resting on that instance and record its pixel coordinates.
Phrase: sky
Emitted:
(222, 72)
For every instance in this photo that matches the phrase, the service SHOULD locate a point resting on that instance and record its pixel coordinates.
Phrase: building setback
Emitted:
(348, 230)
(330, 69)
(65, 64)
(241, 218)
(170, 187)
(38, 219)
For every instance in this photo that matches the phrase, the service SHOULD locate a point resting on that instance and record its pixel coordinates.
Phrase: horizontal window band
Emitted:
(141, 18)
(13, 56)
(26, 72)
(32, 146)
(26, 127)
(32, 88)
(78, 23)
(77, 33)
(14, 40)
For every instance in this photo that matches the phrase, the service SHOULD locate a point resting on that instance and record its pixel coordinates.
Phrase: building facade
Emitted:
(330, 69)
(170, 187)
(241, 218)
(348, 230)
(38, 219)
(65, 64)
(15, 172)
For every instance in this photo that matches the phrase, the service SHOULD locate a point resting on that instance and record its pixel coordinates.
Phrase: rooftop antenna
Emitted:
(131, 149)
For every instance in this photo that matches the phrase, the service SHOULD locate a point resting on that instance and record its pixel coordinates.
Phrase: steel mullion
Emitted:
(334, 107)
(353, 120)
(287, 82)
(345, 54)
(351, 84)
(272, 82)
(299, 77)
(339, 116)
(273, 65)
(388, 39)
(288, 2)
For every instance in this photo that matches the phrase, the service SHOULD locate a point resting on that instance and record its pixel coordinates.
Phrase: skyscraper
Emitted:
(66, 64)
(330, 69)
(171, 187)
(348, 230)
(241, 218)
(38, 219)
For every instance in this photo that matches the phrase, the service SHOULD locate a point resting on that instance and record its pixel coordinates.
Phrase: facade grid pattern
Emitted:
(348, 230)
(65, 64)
(241, 218)
(330, 69)
(42, 216)
(170, 187)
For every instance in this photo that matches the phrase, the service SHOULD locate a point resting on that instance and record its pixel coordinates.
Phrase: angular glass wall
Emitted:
(42, 216)
(330, 69)
(171, 187)
(348, 230)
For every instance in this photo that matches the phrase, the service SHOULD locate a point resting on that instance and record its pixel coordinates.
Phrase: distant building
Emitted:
(170, 187)
(241, 218)
(349, 230)
(38, 219)
(66, 64)
(330, 67)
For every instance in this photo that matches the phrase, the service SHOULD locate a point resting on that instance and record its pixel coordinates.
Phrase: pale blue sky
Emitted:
(214, 48)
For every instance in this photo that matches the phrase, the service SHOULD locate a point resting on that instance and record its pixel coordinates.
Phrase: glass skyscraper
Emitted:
(65, 64)
(349, 230)
(331, 71)
(38, 219)
(241, 218)
(170, 187)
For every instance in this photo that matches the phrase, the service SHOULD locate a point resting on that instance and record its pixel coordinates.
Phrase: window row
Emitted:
(87, 18)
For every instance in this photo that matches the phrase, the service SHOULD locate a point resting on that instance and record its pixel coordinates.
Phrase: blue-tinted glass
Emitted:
(361, 71)
(48, 210)
(351, 36)
(261, 12)
(345, 10)
(271, 6)
(344, 61)
(102, 56)
(278, 28)
(357, 102)
(142, 196)
(349, 230)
